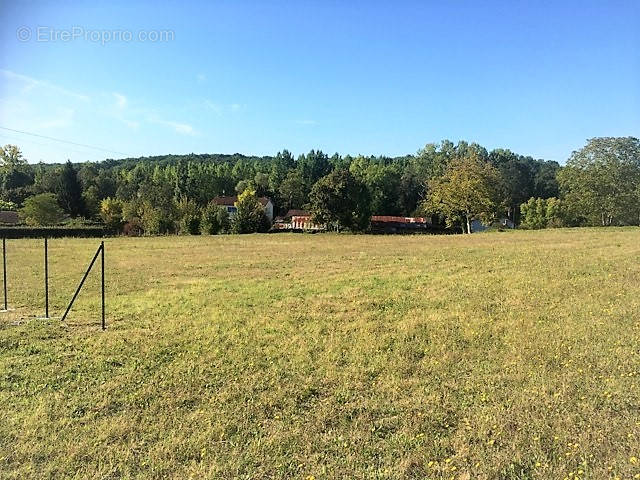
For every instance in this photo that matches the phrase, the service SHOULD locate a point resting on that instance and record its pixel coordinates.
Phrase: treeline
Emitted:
(453, 183)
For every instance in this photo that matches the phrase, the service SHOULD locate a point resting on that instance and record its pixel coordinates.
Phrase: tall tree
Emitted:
(292, 191)
(15, 174)
(468, 190)
(342, 200)
(250, 216)
(69, 191)
(599, 183)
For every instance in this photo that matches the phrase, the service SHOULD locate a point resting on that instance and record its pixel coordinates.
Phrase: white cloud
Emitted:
(30, 83)
(181, 128)
(121, 100)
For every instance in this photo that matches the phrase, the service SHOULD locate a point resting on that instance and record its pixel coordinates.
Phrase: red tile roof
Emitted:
(297, 213)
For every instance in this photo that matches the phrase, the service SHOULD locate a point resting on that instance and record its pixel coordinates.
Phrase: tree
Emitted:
(468, 190)
(599, 183)
(69, 191)
(517, 179)
(11, 157)
(292, 191)
(189, 217)
(541, 213)
(111, 213)
(15, 174)
(215, 219)
(341, 199)
(42, 209)
(250, 216)
(313, 166)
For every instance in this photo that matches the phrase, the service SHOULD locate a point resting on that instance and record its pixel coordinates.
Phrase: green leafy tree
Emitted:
(599, 183)
(542, 213)
(312, 167)
(111, 212)
(189, 217)
(468, 190)
(292, 191)
(250, 216)
(215, 220)
(342, 200)
(69, 191)
(41, 209)
(16, 175)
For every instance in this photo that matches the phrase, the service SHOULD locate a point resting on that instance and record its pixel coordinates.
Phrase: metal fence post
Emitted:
(4, 270)
(46, 278)
(104, 325)
(75, 295)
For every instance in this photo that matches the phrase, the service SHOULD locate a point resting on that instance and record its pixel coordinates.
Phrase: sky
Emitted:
(358, 77)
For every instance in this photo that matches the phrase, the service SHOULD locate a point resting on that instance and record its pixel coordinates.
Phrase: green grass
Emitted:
(505, 355)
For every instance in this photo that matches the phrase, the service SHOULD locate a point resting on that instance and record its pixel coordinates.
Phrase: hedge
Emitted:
(54, 232)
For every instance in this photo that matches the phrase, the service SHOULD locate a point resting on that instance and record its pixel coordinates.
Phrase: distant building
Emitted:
(229, 204)
(297, 220)
(9, 218)
(394, 224)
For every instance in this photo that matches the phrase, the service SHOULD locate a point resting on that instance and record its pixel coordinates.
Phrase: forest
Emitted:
(453, 184)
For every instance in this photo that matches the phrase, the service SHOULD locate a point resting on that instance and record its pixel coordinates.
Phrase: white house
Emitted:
(229, 204)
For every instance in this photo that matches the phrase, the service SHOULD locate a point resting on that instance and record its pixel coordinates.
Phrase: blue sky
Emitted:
(353, 77)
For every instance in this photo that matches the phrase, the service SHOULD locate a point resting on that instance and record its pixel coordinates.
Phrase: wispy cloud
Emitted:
(121, 100)
(30, 83)
(220, 109)
(307, 122)
(64, 118)
(181, 128)
(201, 78)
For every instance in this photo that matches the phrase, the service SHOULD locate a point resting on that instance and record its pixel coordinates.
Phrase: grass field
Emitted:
(504, 355)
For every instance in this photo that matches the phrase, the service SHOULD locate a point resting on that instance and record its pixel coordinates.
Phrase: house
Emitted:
(9, 218)
(297, 220)
(229, 204)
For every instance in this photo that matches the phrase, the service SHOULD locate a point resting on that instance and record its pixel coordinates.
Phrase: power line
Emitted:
(65, 141)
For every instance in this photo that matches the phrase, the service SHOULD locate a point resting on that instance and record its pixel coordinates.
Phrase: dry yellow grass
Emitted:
(505, 355)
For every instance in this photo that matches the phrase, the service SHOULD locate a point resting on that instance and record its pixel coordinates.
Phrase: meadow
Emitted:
(510, 355)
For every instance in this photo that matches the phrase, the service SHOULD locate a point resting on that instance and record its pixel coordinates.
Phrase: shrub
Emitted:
(215, 219)
(42, 209)
(542, 213)
(8, 206)
(111, 213)
(133, 228)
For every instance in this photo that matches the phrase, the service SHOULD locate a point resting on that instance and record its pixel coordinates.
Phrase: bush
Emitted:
(8, 206)
(542, 213)
(42, 209)
(53, 232)
(133, 228)
(215, 220)
(111, 213)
